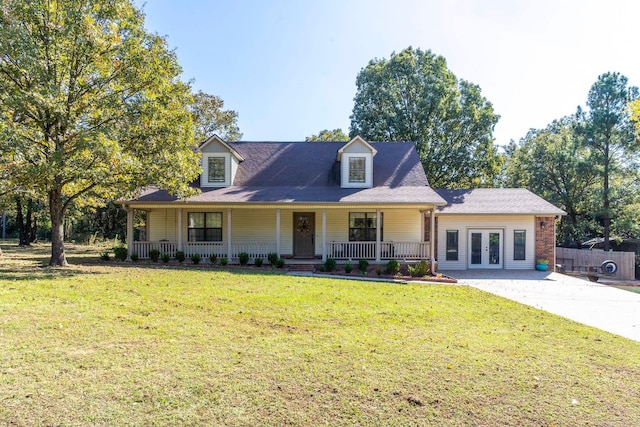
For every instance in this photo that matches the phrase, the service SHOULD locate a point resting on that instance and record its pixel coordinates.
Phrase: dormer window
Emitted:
(357, 167)
(216, 170)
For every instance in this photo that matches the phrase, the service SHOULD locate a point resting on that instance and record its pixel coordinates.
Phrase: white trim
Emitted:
(204, 178)
(357, 139)
(368, 170)
(179, 229)
(216, 138)
(229, 243)
(278, 232)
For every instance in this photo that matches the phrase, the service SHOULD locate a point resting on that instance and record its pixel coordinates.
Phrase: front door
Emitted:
(304, 230)
(485, 248)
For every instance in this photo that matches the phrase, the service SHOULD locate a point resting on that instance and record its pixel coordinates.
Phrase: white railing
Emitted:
(254, 249)
(206, 249)
(388, 250)
(143, 248)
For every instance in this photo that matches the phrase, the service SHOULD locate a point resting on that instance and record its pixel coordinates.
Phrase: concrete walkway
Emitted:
(601, 306)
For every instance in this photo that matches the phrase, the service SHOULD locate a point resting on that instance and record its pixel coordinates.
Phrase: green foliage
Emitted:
(224, 261)
(379, 271)
(134, 256)
(120, 253)
(96, 106)
(180, 257)
(421, 269)
(209, 118)
(348, 267)
(330, 264)
(363, 264)
(393, 267)
(154, 254)
(165, 258)
(104, 256)
(243, 258)
(413, 96)
(335, 135)
(272, 258)
(280, 263)
(213, 259)
(258, 262)
(195, 258)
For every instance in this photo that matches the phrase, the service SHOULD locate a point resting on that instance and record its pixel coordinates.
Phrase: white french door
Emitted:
(485, 248)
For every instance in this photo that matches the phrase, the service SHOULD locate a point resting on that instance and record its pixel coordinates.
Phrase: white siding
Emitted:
(215, 147)
(344, 171)
(357, 147)
(463, 223)
(162, 225)
(402, 225)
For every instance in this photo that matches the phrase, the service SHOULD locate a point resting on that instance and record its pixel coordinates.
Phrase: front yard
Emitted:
(100, 344)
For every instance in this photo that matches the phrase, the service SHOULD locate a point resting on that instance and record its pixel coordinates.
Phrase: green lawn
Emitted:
(100, 344)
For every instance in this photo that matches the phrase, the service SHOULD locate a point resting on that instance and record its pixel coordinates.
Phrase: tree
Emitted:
(209, 118)
(92, 105)
(608, 131)
(413, 96)
(329, 135)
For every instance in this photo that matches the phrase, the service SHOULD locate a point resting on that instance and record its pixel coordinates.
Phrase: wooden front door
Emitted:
(304, 230)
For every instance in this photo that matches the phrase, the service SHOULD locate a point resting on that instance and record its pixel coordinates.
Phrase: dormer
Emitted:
(219, 163)
(356, 164)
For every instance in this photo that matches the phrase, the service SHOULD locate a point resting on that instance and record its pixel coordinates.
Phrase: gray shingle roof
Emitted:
(507, 201)
(308, 172)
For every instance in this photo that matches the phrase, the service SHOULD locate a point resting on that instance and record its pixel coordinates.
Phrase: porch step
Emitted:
(301, 267)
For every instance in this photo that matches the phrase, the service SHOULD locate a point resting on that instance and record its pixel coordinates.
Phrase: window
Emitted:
(519, 244)
(205, 227)
(216, 169)
(356, 169)
(452, 245)
(362, 226)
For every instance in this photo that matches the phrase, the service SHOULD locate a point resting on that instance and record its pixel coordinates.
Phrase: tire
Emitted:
(609, 267)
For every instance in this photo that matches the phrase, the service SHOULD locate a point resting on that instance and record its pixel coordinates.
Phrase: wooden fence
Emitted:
(589, 261)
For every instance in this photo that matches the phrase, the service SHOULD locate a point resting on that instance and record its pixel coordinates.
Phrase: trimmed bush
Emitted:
(363, 264)
(348, 268)
(421, 269)
(379, 271)
(330, 264)
(154, 254)
(258, 262)
(134, 256)
(243, 257)
(280, 263)
(272, 258)
(105, 256)
(165, 258)
(213, 258)
(195, 258)
(224, 261)
(393, 267)
(120, 253)
(180, 256)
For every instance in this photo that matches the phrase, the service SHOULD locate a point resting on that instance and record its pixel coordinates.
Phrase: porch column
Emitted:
(324, 235)
(278, 232)
(229, 245)
(378, 235)
(129, 231)
(432, 239)
(179, 231)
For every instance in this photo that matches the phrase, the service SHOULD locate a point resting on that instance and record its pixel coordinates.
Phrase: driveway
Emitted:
(601, 306)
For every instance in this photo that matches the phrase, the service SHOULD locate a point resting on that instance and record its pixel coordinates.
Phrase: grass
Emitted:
(100, 344)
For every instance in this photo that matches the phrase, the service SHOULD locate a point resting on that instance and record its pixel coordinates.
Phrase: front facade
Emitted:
(310, 201)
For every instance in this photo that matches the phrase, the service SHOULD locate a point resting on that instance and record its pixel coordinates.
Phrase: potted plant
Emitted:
(542, 264)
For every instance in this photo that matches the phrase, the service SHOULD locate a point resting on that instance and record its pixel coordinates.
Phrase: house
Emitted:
(317, 200)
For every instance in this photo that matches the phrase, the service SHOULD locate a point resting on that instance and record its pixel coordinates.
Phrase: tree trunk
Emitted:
(23, 234)
(56, 210)
(607, 203)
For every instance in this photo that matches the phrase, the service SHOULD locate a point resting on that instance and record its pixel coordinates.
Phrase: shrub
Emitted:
(379, 271)
(330, 264)
(348, 268)
(272, 258)
(134, 256)
(165, 258)
(393, 267)
(323, 268)
(258, 262)
(213, 258)
(180, 256)
(243, 257)
(280, 263)
(421, 269)
(120, 253)
(105, 256)
(195, 258)
(363, 264)
(224, 261)
(154, 254)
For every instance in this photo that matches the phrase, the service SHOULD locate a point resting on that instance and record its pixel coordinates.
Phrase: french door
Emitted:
(485, 248)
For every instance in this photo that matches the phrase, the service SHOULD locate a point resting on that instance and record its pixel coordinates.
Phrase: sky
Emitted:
(288, 67)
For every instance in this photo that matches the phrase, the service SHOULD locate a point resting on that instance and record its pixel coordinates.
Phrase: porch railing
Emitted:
(388, 250)
(206, 249)
(143, 248)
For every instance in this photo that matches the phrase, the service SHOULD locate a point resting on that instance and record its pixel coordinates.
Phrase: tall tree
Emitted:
(329, 135)
(209, 118)
(609, 132)
(92, 105)
(413, 96)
